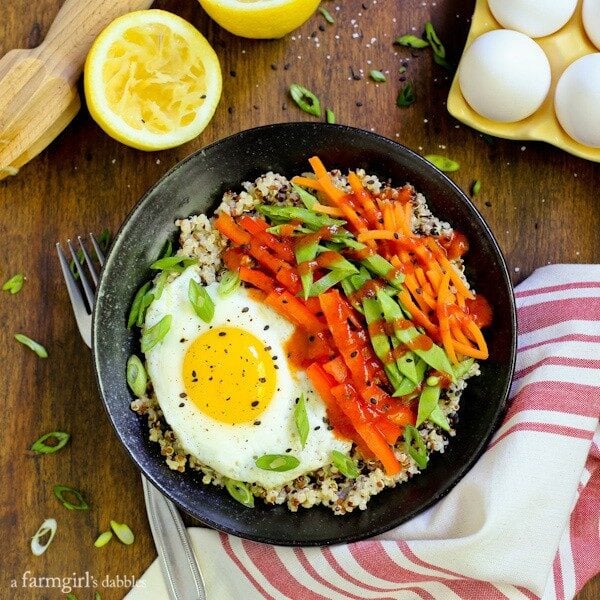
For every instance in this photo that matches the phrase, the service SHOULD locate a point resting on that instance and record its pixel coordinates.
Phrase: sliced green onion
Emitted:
(229, 283)
(73, 266)
(415, 446)
(46, 531)
(330, 116)
(144, 305)
(476, 188)
(277, 462)
(137, 379)
(443, 163)
(201, 302)
(156, 333)
(41, 447)
(103, 539)
(168, 263)
(97, 596)
(14, 284)
(61, 490)
(305, 99)
(32, 345)
(123, 532)
(135, 305)
(159, 284)
(434, 40)
(306, 197)
(402, 70)
(433, 380)
(71, 597)
(377, 76)
(240, 491)
(344, 464)
(442, 62)
(167, 250)
(406, 96)
(301, 419)
(412, 41)
(327, 15)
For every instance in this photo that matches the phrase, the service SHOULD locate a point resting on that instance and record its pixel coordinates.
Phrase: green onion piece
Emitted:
(104, 240)
(476, 188)
(103, 539)
(306, 197)
(434, 41)
(277, 462)
(229, 283)
(159, 284)
(402, 70)
(377, 76)
(167, 250)
(344, 464)
(146, 302)
(327, 281)
(14, 284)
(437, 417)
(156, 333)
(433, 380)
(406, 96)
(442, 62)
(136, 376)
(71, 597)
(301, 419)
(41, 447)
(412, 41)
(169, 262)
(330, 116)
(123, 532)
(326, 14)
(46, 531)
(97, 596)
(463, 367)
(201, 302)
(61, 490)
(305, 99)
(428, 402)
(415, 446)
(136, 304)
(443, 163)
(32, 345)
(72, 265)
(240, 491)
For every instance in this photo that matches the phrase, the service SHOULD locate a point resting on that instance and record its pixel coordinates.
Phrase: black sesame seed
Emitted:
(230, 109)
(232, 73)
(245, 309)
(321, 27)
(203, 97)
(263, 380)
(353, 354)
(182, 395)
(182, 340)
(256, 423)
(359, 104)
(311, 338)
(265, 328)
(255, 403)
(274, 67)
(222, 333)
(317, 428)
(181, 404)
(286, 66)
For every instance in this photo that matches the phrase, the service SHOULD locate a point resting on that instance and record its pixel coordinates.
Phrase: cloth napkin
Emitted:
(522, 524)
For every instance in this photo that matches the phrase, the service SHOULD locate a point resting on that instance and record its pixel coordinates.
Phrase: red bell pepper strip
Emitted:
(257, 279)
(229, 228)
(257, 228)
(290, 307)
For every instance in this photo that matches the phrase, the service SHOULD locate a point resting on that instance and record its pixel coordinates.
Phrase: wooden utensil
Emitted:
(38, 93)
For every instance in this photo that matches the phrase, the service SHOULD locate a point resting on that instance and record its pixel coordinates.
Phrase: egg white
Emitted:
(231, 450)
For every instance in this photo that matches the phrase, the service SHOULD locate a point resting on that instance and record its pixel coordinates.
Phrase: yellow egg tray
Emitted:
(562, 48)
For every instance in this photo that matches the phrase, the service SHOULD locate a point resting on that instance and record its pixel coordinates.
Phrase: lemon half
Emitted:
(266, 19)
(151, 80)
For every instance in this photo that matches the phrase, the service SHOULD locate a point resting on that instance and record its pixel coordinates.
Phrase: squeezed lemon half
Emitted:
(260, 18)
(151, 80)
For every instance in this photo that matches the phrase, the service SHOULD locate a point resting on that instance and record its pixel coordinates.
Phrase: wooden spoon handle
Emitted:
(74, 30)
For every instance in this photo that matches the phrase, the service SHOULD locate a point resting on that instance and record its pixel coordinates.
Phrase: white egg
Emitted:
(591, 20)
(504, 75)
(535, 18)
(226, 388)
(577, 100)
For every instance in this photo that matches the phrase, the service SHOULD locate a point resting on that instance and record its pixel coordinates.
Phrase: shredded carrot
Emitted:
(479, 339)
(423, 282)
(466, 350)
(377, 234)
(418, 316)
(458, 283)
(318, 167)
(401, 222)
(365, 199)
(308, 182)
(334, 194)
(421, 297)
(435, 277)
(328, 210)
(444, 299)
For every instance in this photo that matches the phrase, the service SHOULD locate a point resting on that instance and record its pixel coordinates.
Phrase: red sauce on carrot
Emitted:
(455, 245)
(480, 310)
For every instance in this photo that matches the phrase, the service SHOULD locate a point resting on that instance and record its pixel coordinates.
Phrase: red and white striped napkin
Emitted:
(523, 523)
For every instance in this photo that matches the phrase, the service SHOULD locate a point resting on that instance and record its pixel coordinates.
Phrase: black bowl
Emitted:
(194, 186)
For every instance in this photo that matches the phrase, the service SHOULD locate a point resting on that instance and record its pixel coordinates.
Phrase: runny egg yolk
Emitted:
(229, 374)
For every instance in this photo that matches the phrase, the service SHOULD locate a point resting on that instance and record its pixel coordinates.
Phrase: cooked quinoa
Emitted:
(327, 486)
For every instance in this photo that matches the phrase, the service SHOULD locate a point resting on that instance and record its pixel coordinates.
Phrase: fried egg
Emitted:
(227, 390)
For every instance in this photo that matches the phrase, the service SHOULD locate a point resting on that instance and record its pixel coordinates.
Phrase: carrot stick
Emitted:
(401, 222)
(421, 297)
(308, 182)
(458, 283)
(334, 194)
(365, 199)
(377, 234)
(328, 210)
(423, 282)
(479, 339)
(418, 316)
(318, 167)
(444, 299)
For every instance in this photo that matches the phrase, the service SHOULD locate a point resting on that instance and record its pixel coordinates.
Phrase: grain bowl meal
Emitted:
(309, 342)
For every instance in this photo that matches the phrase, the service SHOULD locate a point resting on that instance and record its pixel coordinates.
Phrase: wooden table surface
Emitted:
(540, 202)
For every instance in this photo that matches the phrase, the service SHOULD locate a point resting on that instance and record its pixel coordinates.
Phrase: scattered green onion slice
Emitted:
(169, 262)
(443, 163)
(412, 41)
(137, 379)
(277, 462)
(14, 284)
(402, 70)
(229, 283)
(406, 96)
(73, 266)
(377, 76)
(71, 597)
(330, 116)
(41, 447)
(327, 15)
(123, 532)
(32, 345)
(344, 464)
(136, 304)
(61, 490)
(415, 446)
(103, 539)
(202, 303)
(433, 380)
(305, 99)
(240, 491)
(476, 188)
(159, 284)
(145, 303)
(301, 419)
(46, 531)
(156, 333)
(167, 250)
(97, 596)
(434, 40)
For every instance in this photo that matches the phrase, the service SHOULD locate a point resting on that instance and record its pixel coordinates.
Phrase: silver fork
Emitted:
(178, 564)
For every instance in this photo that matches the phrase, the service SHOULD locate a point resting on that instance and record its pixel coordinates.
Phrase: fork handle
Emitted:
(76, 26)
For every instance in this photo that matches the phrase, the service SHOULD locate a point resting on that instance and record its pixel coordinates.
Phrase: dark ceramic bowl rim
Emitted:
(458, 474)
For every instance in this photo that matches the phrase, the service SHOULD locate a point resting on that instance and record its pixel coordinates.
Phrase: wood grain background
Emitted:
(541, 203)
